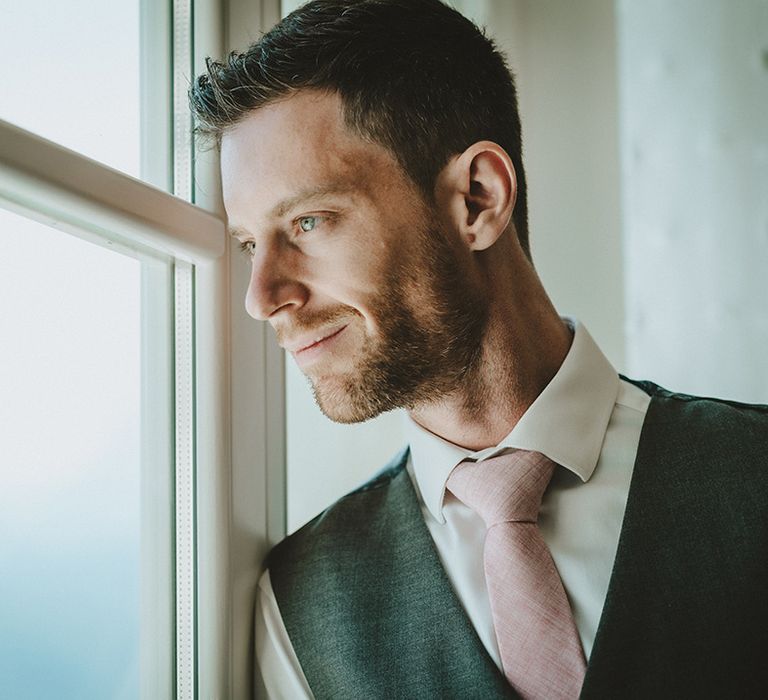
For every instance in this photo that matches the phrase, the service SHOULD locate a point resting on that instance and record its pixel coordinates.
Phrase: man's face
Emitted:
(360, 278)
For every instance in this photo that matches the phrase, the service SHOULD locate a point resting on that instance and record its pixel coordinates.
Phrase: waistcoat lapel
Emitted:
(368, 607)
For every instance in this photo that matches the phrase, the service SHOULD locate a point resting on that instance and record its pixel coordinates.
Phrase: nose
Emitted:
(274, 285)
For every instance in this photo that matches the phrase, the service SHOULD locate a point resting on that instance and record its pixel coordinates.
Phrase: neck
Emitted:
(524, 346)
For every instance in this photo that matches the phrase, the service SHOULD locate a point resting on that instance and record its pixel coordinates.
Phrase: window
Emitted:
(73, 550)
(71, 74)
(133, 481)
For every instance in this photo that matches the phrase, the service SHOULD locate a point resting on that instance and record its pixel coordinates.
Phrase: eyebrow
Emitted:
(289, 203)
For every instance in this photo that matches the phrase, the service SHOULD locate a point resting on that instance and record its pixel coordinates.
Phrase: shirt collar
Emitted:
(566, 422)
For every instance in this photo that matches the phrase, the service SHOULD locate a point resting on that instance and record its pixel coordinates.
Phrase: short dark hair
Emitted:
(414, 76)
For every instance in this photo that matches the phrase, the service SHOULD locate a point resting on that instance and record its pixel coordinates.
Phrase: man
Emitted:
(372, 172)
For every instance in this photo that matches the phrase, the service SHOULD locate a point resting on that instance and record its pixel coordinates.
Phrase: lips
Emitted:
(309, 342)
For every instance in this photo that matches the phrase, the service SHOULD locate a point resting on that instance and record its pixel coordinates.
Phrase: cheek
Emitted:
(352, 271)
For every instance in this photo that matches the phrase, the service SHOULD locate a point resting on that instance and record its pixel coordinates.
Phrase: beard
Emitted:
(431, 326)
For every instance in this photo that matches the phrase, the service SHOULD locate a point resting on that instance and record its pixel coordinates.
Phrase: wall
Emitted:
(694, 134)
(564, 57)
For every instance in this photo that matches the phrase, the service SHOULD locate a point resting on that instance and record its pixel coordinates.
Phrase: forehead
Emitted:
(297, 143)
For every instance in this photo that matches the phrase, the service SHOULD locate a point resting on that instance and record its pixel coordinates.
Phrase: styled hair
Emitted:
(414, 76)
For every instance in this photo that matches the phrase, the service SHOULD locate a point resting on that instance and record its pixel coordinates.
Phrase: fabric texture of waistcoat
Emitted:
(371, 613)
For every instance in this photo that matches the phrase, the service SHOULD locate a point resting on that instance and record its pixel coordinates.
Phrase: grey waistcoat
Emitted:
(371, 614)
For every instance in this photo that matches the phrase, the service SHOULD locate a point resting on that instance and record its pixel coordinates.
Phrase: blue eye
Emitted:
(307, 223)
(247, 247)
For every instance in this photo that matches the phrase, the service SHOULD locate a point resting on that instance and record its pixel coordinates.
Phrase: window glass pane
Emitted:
(71, 74)
(70, 372)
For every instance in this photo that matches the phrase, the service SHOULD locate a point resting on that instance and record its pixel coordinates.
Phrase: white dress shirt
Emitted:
(588, 421)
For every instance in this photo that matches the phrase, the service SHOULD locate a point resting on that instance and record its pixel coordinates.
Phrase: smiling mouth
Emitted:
(319, 342)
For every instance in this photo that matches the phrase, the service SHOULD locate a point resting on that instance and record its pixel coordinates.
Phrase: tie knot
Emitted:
(504, 488)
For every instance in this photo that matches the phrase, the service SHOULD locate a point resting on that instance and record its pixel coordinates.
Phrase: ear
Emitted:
(478, 189)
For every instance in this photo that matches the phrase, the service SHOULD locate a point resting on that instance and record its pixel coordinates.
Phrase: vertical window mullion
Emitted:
(158, 597)
(182, 117)
(214, 339)
(186, 593)
(158, 521)
(186, 662)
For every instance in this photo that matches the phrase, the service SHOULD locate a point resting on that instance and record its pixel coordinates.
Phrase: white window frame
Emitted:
(251, 490)
(228, 369)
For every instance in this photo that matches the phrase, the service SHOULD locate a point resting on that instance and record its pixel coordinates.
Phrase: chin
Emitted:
(346, 402)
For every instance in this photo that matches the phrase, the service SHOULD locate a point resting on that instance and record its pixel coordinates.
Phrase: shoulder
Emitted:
(349, 522)
(704, 410)
(704, 430)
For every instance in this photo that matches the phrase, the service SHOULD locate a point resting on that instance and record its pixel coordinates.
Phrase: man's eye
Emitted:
(247, 247)
(307, 223)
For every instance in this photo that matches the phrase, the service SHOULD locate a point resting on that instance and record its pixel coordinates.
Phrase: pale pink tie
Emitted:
(540, 649)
